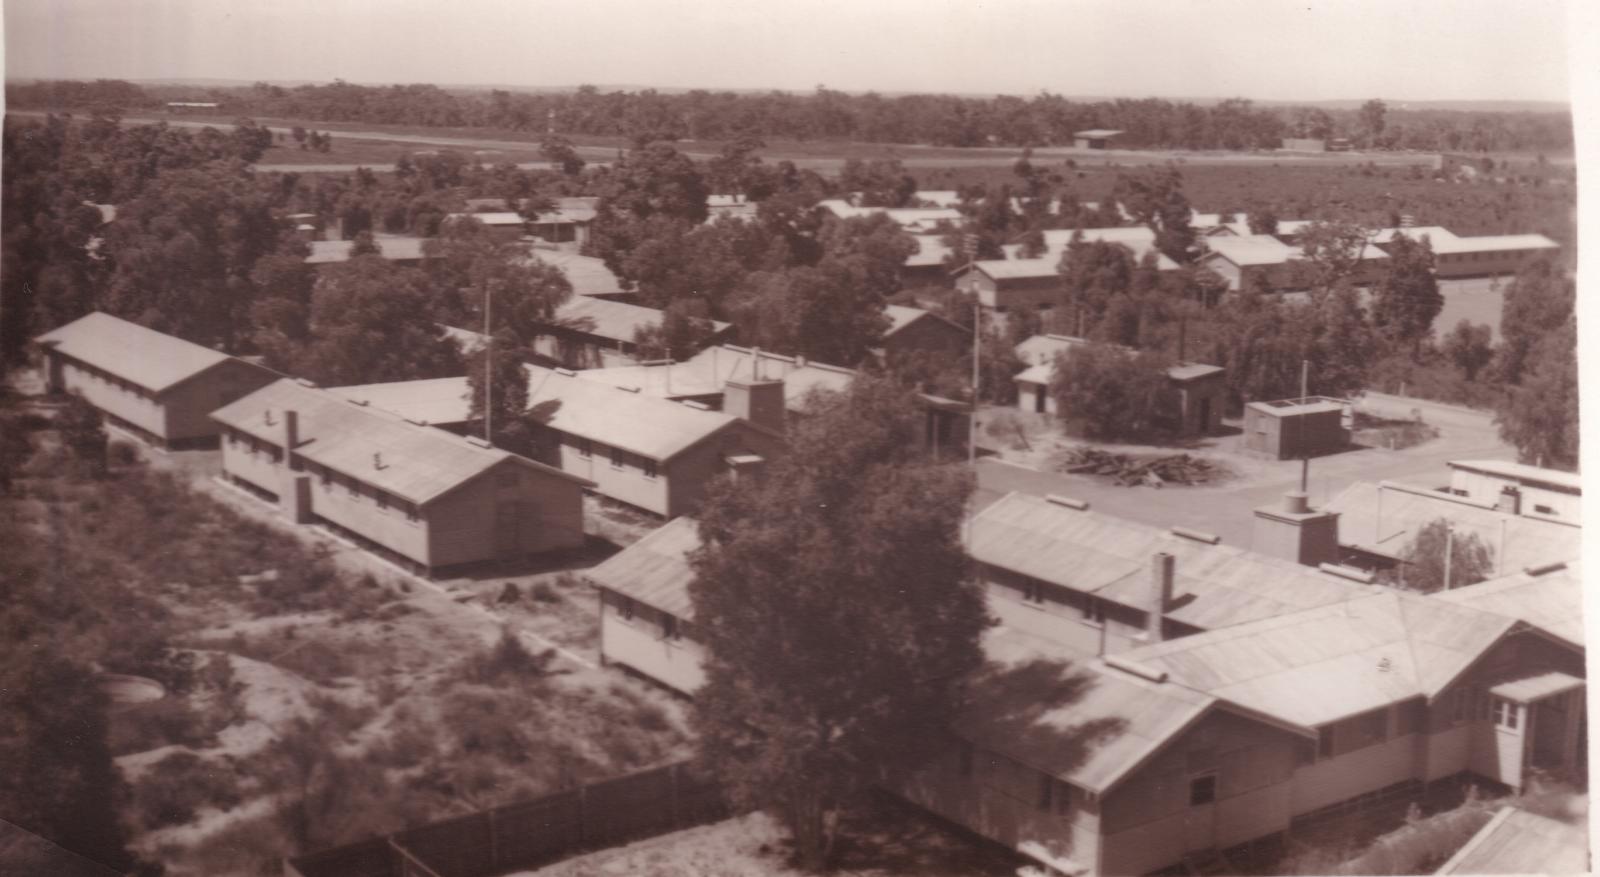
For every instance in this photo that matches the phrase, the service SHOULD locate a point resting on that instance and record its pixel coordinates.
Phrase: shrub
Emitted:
(508, 656)
(510, 593)
(175, 787)
(123, 453)
(543, 593)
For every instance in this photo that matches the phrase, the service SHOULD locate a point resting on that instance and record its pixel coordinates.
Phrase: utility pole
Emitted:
(488, 362)
(1449, 549)
(977, 332)
(1305, 375)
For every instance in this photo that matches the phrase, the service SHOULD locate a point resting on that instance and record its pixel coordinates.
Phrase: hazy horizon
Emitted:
(1419, 51)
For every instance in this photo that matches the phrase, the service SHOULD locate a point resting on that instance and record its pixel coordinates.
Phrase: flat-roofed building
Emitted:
(1379, 519)
(1521, 489)
(430, 499)
(1288, 429)
(1095, 138)
(646, 615)
(157, 386)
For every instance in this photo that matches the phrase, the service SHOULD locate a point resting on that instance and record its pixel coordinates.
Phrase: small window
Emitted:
(327, 476)
(411, 513)
(1544, 509)
(1305, 751)
(585, 449)
(618, 458)
(383, 500)
(649, 467)
(352, 488)
(1202, 790)
(1094, 611)
(1033, 591)
(669, 626)
(1505, 713)
(626, 608)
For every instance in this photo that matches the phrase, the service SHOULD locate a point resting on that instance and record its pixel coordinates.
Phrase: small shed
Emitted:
(1094, 138)
(1292, 428)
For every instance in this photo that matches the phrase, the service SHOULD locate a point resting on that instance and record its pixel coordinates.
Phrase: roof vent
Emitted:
(415, 422)
(697, 404)
(1546, 569)
(1143, 671)
(629, 389)
(306, 383)
(362, 402)
(478, 442)
(567, 372)
(1346, 572)
(1196, 535)
(1069, 502)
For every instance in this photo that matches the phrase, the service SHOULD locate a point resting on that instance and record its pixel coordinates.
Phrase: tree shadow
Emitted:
(1025, 709)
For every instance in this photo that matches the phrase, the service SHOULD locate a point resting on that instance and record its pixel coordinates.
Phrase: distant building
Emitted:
(705, 377)
(651, 453)
(590, 332)
(1271, 265)
(1481, 256)
(1289, 429)
(180, 107)
(1305, 144)
(912, 219)
(733, 206)
(422, 496)
(154, 385)
(503, 225)
(1520, 489)
(1035, 283)
(400, 250)
(1095, 138)
(1196, 393)
(646, 615)
(1379, 519)
(568, 223)
(926, 266)
(913, 330)
(589, 276)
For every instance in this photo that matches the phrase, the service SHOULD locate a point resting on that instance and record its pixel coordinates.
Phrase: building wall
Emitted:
(189, 404)
(1485, 263)
(1228, 271)
(109, 393)
(253, 462)
(693, 469)
(1189, 395)
(358, 511)
(1001, 799)
(1061, 614)
(645, 644)
(507, 511)
(930, 335)
(577, 350)
(1030, 396)
(1329, 781)
(1485, 488)
(626, 477)
(1148, 820)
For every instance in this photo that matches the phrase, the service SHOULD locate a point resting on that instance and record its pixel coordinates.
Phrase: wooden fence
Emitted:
(530, 833)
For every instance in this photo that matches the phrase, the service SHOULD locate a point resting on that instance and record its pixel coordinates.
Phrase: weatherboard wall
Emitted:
(189, 405)
(110, 394)
(508, 511)
(639, 637)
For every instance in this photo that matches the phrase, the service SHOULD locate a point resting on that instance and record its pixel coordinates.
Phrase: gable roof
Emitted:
(1125, 718)
(901, 316)
(154, 360)
(415, 462)
(1383, 517)
(647, 425)
(1215, 585)
(1551, 600)
(1332, 662)
(588, 275)
(707, 372)
(655, 570)
(1250, 250)
(431, 401)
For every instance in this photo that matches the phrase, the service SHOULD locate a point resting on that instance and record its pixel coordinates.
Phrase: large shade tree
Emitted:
(838, 614)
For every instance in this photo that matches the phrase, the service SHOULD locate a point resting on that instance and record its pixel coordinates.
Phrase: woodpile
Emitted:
(1129, 471)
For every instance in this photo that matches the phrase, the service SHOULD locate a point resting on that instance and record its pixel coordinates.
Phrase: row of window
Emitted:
(629, 609)
(1038, 593)
(356, 489)
(105, 377)
(620, 459)
(1485, 257)
(254, 446)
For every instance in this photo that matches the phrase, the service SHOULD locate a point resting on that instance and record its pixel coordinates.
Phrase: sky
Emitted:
(1260, 49)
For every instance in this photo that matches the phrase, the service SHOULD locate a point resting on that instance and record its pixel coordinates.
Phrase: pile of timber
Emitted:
(1129, 471)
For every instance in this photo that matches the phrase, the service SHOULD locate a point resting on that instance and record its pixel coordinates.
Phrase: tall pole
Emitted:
(1449, 549)
(1305, 374)
(977, 333)
(488, 363)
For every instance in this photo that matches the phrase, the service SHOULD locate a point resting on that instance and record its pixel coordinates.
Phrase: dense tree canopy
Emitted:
(838, 615)
(1423, 560)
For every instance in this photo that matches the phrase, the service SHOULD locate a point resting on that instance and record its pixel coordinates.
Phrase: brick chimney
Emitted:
(759, 402)
(1294, 531)
(1161, 572)
(294, 491)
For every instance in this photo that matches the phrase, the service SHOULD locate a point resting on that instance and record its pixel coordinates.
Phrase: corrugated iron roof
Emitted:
(901, 316)
(647, 425)
(403, 249)
(1108, 724)
(1249, 250)
(1518, 842)
(1219, 585)
(655, 570)
(706, 373)
(1522, 472)
(496, 218)
(151, 359)
(417, 463)
(588, 275)
(432, 401)
(1331, 662)
(1551, 601)
(1383, 517)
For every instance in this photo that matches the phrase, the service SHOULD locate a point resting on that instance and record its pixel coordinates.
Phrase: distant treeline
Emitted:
(944, 120)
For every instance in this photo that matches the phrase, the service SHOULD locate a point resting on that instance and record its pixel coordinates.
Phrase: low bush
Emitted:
(174, 788)
(171, 721)
(543, 593)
